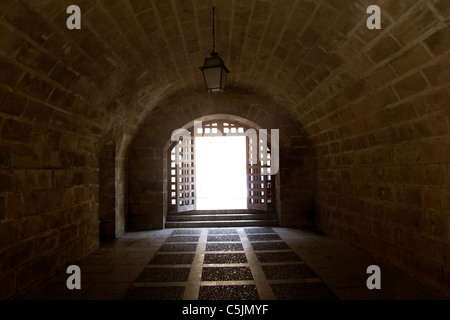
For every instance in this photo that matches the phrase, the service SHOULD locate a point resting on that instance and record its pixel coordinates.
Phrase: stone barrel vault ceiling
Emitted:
(317, 58)
(370, 107)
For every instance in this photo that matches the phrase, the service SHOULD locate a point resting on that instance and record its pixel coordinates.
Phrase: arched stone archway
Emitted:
(237, 121)
(148, 149)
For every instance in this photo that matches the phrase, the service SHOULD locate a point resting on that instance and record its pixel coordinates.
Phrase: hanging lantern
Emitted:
(214, 70)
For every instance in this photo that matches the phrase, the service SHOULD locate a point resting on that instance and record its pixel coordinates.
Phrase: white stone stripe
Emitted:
(262, 285)
(224, 265)
(195, 275)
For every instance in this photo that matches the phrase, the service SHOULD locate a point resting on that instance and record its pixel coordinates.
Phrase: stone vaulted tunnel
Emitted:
(85, 116)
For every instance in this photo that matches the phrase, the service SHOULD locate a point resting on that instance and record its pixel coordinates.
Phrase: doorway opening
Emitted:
(220, 166)
(221, 179)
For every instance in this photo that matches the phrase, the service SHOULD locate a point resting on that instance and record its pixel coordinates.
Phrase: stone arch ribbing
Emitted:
(145, 155)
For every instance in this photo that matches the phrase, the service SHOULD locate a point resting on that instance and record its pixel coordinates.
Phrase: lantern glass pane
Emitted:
(212, 77)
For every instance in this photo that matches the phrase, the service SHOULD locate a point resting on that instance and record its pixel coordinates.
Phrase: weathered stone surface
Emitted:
(363, 117)
(384, 49)
(411, 85)
(411, 59)
(10, 73)
(10, 103)
(7, 182)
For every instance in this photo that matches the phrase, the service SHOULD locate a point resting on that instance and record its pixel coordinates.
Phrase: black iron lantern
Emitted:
(214, 70)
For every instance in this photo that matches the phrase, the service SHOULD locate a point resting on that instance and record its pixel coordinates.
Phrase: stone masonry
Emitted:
(364, 121)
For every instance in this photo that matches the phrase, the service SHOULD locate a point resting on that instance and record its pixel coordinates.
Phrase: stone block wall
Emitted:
(107, 191)
(383, 146)
(48, 197)
(372, 104)
(52, 114)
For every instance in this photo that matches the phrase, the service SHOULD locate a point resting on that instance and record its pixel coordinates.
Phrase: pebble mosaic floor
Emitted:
(242, 263)
(228, 264)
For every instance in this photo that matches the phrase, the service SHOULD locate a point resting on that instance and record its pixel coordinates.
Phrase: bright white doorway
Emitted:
(221, 173)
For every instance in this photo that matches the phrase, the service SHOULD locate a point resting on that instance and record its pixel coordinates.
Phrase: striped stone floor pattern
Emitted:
(227, 264)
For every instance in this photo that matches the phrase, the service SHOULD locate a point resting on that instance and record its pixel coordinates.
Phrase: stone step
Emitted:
(218, 216)
(221, 223)
(215, 212)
